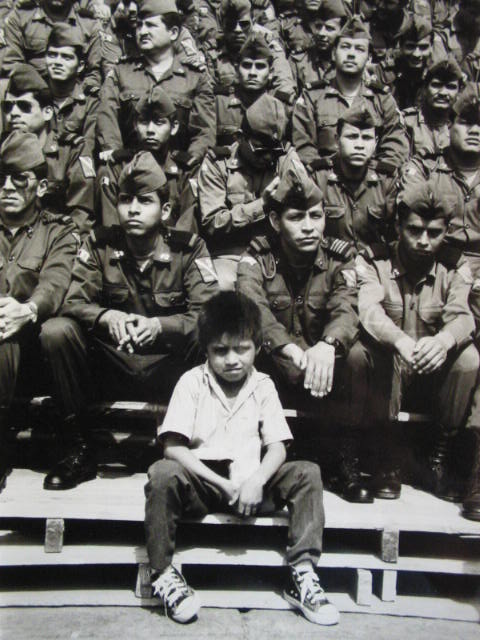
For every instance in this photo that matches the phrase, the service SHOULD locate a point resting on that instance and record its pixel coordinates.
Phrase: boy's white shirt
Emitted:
(216, 430)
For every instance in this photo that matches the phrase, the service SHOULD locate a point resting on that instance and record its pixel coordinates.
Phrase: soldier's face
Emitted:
(17, 193)
(24, 113)
(153, 131)
(416, 54)
(465, 136)
(421, 239)
(356, 146)
(63, 63)
(351, 55)
(440, 94)
(300, 230)
(238, 28)
(312, 5)
(231, 358)
(325, 32)
(253, 74)
(139, 215)
(152, 34)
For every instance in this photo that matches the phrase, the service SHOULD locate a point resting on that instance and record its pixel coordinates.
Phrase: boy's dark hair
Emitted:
(232, 313)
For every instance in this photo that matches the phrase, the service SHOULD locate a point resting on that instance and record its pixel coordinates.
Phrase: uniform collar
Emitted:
(398, 269)
(246, 390)
(121, 253)
(370, 177)
(333, 90)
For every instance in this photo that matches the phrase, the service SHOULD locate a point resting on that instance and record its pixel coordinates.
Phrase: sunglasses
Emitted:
(19, 180)
(279, 149)
(24, 105)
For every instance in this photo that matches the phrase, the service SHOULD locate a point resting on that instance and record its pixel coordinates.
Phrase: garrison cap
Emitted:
(415, 28)
(424, 200)
(21, 151)
(295, 189)
(156, 7)
(65, 35)
(330, 9)
(355, 28)
(266, 119)
(24, 78)
(360, 115)
(256, 47)
(467, 105)
(155, 101)
(142, 175)
(446, 69)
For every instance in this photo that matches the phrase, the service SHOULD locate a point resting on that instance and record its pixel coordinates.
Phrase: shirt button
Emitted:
(11, 258)
(467, 226)
(467, 198)
(298, 333)
(299, 299)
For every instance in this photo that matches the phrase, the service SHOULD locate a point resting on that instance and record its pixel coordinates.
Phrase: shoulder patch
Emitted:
(207, 270)
(88, 168)
(260, 244)
(83, 256)
(350, 277)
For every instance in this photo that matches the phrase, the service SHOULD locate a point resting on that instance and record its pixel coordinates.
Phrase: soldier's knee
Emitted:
(55, 332)
(358, 358)
(468, 361)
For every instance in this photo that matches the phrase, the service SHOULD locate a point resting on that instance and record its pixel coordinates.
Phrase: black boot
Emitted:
(471, 504)
(386, 483)
(438, 478)
(6, 453)
(348, 482)
(77, 466)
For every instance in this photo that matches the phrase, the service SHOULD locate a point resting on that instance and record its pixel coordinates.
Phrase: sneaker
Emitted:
(305, 593)
(180, 602)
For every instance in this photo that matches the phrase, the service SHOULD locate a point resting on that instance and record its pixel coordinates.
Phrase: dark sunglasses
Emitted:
(24, 105)
(19, 180)
(279, 149)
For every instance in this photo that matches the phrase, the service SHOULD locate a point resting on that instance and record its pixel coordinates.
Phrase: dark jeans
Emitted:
(172, 492)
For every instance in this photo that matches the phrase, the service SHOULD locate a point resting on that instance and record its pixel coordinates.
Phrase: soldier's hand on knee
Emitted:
(116, 323)
(429, 355)
(319, 362)
(13, 316)
(146, 330)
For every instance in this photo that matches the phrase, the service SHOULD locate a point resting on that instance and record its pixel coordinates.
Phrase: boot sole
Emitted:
(387, 495)
(471, 515)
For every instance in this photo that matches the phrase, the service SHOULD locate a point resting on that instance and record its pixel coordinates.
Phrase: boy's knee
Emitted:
(164, 472)
(309, 472)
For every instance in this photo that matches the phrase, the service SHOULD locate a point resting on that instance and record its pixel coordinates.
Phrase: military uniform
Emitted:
(27, 29)
(188, 86)
(76, 115)
(309, 69)
(316, 114)
(449, 40)
(426, 141)
(361, 213)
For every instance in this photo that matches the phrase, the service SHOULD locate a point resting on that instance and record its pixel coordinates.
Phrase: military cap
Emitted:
(330, 9)
(415, 28)
(142, 175)
(155, 101)
(256, 47)
(355, 28)
(424, 200)
(21, 151)
(467, 105)
(156, 7)
(360, 115)
(66, 35)
(266, 119)
(24, 78)
(295, 189)
(230, 9)
(446, 69)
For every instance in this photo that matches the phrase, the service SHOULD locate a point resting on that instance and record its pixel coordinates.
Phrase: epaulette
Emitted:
(70, 139)
(183, 238)
(223, 90)
(321, 163)
(219, 152)
(375, 251)
(60, 218)
(340, 249)
(410, 111)
(449, 256)
(375, 84)
(316, 84)
(385, 167)
(83, 12)
(259, 244)
(103, 236)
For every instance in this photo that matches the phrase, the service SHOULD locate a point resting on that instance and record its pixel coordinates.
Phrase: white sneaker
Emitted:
(180, 601)
(304, 592)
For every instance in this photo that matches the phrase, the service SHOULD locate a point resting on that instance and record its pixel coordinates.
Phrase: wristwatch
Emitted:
(336, 344)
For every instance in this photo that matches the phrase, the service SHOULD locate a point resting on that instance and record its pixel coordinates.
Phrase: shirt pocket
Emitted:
(236, 197)
(115, 297)
(31, 263)
(326, 128)
(170, 302)
(394, 311)
(334, 219)
(431, 314)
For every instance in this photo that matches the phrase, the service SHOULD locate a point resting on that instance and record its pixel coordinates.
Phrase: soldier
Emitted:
(387, 21)
(413, 303)
(37, 249)
(222, 59)
(134, 298)
(358, 202)
(313, 64)
(305, 287)
(27, 29)
(28, 106)
(317, 111)
(74, 112)
(187, 84)
(234, 182)
(404, 72)
(428, 124)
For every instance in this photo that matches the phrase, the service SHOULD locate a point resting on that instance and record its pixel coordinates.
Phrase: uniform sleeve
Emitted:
(341, 307)
(456, 314)
(108, 130)
(283, 84)
(216, 217)
(274, 427)
(373, 317)
(202, 125)
(393, 147)
(14, 51)
(93, 56)
(180, 416)
(55, 272)
(80, 189)
(250, 281)
(304, 131)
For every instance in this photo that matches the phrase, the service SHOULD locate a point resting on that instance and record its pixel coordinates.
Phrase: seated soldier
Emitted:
(155, 122)
(305, 287)
(129, 315)
(224, 437)
(428, 124)
(413, 303)
(73, 110)
(37, 249)
(28, 106)
(358, 202)
(234, 182)
(316, 112)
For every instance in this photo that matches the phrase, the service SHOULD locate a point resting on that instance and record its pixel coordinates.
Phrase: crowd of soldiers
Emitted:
(321, 156)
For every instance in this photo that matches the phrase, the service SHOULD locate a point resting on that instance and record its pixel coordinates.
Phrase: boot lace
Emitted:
(310, 588)
(170, 587)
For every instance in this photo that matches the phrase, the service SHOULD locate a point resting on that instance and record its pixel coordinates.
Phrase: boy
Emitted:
(221, 417)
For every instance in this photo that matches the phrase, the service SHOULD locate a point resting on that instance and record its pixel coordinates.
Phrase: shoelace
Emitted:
(310, 587)
(169, 588)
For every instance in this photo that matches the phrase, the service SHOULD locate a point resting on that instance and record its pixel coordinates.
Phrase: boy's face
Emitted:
(139, 215)
(231, 358)
(63, 63)
(356, 146)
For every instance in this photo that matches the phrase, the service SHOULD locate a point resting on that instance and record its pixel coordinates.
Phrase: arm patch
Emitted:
(206, 269)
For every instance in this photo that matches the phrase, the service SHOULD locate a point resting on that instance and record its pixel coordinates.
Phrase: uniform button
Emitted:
(412, 305)
(467, 198)
(298, 333)
(467, 226)
(299, 299)
(11, 258)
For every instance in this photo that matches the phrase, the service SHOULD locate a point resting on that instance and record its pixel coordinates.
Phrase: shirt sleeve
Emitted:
(180, 416)
(274, 427)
